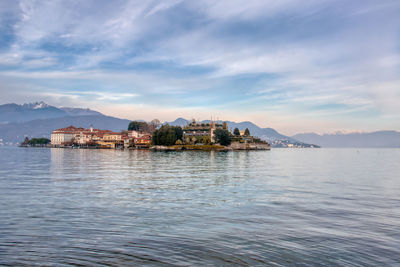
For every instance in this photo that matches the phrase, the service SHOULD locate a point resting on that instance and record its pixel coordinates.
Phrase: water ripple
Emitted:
(281, 207)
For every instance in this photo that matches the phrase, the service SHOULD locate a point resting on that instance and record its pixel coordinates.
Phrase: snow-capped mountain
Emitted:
(14, 113)
(80, 111)
(36, 105)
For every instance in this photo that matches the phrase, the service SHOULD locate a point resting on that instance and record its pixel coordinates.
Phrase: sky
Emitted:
(295, 66)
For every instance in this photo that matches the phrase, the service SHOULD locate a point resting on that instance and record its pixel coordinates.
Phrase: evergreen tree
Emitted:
(222, 137)
(236, 132)
(178, 132)
(170, 138)
(247, 132)
(167, 135)
(154, 138)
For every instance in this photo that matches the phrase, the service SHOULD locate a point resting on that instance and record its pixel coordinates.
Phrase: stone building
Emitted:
(202, 130)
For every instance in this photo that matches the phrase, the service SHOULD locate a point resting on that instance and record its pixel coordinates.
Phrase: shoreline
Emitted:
(218, 148)
(206, 148)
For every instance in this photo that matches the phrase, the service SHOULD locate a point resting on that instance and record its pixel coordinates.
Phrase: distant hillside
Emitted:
(358, 140)
(179, 122)
(20, 113)
(14, 113)
(16, 132)
(268, 134)
(80, 111)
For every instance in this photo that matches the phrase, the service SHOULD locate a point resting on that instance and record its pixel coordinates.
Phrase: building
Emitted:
(135, 134)
(73, 136)
(64, 135)
(143, 142)
(112, 136)
(199, 130)
(112, 140)
(80, 136)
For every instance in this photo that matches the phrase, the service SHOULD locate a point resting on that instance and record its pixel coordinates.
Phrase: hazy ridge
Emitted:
(373, 139)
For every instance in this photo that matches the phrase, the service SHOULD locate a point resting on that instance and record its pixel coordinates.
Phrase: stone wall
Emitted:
(249, 146)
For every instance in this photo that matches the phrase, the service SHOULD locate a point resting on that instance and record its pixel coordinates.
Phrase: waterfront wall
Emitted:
(249, 146)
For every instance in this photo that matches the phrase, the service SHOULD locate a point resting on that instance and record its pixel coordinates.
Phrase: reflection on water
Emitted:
(279, 207)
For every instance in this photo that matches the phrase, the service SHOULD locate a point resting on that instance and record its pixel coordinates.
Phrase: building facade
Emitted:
(198, 130)
(63, 135)
(80, 136)
(73, 136)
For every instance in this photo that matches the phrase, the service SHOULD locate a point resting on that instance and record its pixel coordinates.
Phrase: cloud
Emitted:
(97, 96)
(291, 59)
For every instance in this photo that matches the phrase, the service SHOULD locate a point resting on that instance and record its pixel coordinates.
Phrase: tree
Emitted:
(236, 132)
(167, 135)
(171, 137)
(138, 126)
(39, 141)
(222, 137)
(178, 132)
(207, 140)
(247, 132)
(155, 124)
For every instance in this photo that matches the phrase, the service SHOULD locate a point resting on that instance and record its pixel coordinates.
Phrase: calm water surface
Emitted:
(280, 207)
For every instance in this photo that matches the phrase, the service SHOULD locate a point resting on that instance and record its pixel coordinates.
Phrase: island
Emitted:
(155, 136)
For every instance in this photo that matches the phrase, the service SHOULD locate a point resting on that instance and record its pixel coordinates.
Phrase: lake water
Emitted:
(280, 207)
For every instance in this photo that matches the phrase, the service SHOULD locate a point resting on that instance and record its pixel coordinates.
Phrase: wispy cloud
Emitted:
(295, 60)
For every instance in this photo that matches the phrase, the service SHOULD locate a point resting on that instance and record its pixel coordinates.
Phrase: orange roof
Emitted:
(114, 133)
(74, 130)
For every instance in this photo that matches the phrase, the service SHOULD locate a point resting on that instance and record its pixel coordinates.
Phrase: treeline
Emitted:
(167, 135)
(142, 126)
(35, 142)
(39, 141)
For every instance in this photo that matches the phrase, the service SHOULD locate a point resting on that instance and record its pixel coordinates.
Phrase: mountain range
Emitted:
(14, 113)
(39, 119)
(385, 139)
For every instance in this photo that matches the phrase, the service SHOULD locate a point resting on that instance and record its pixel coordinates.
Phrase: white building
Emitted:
(62, 136)
(135, 134)
(80, 135)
